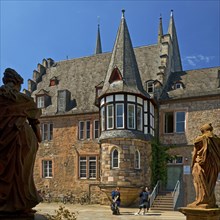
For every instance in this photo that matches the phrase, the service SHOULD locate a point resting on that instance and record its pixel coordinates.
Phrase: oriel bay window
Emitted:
(124, 111)
(88, 167)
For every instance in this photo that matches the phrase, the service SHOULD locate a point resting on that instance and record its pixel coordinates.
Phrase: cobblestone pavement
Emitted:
(101, 212)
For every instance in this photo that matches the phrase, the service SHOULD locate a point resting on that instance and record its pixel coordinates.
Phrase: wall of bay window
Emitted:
(123, 111)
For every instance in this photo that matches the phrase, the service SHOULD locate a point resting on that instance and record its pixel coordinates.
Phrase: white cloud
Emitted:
(197, 59)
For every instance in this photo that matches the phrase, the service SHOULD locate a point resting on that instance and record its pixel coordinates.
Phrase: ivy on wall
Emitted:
(160, 157)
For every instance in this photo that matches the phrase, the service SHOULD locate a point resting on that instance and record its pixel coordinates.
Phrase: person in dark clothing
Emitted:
(144, 201)
(116, 200)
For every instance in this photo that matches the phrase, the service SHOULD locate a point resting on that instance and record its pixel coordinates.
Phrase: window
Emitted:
(139, 118)
(180, 122)
(88, 167)
(87, 129)
(120, 115)
(174, 120)
(137, 160)
(47, 168)
(150, 86)
(47, 131)
(103, 118)
(115, 159)
(96, 129)
(40, 102)
(82, 167)
(178, 85)
(176, 160)
(131, 116)
(110, 116)
(81, 130)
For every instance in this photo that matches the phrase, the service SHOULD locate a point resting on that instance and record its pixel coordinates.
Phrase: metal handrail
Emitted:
(154, 193)
(175, 193)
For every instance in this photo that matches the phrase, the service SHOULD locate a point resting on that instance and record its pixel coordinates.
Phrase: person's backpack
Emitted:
(145, 196)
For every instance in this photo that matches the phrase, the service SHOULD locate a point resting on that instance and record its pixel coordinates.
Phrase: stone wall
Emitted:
(64, 150)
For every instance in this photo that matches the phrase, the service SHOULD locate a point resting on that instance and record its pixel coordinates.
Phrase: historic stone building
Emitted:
(101, 112)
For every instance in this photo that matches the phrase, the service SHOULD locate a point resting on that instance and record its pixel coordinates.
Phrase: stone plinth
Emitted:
(200, 214)
(128, 194)
(21, 216)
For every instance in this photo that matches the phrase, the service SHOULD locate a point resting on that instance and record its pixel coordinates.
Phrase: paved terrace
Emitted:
(101, 212)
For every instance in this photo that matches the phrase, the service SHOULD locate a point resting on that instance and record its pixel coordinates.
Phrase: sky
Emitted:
(32, 30)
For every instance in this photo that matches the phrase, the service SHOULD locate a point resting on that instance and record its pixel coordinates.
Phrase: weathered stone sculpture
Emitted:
(19, 137)
(205, 167)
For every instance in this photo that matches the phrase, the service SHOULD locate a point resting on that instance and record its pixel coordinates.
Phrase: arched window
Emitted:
(137, 160)
(115, 159)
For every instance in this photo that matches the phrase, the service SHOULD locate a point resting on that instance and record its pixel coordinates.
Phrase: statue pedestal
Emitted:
(4, 216)
(201, 214)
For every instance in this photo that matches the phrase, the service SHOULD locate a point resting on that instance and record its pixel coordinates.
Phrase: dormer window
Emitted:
(150, 86)
(43, 99)
(115, 76)
(53, 81)
(40, 101)
(178, 85)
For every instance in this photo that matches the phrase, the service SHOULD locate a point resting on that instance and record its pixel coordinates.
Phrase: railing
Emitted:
(175, 193)
(154, 193)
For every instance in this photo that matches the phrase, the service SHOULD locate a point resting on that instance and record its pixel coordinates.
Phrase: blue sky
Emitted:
(34, 30)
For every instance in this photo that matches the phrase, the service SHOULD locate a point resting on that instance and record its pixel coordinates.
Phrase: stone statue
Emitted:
(19, 137)
(205, 167)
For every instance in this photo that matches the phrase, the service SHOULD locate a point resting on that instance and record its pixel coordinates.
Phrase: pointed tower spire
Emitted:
(160, 30)
(98, 48)
(176, 65)
(123, 65)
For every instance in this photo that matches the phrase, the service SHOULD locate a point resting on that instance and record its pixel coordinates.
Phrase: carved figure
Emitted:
(205, 167)
(19, 137)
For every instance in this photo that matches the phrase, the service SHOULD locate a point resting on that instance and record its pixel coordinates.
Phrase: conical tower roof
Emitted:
(123, 63)
(177, 66)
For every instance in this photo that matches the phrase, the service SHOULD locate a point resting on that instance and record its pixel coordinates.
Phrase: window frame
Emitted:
(110, 117)
(150, 86)
(81, 130)
(174, 122)
(41, 101)
(114, 159)
(87, 129)
(49, 169)
(46, 132)
(96, 130)
(121, 116)
(86, 161)
(140, 122)
(133, 117)
(137, 162)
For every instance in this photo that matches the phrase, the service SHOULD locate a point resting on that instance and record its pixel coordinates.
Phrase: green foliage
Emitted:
(63, 214)
(159, 163)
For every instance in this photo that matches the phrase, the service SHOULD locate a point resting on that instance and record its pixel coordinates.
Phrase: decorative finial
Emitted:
(98, 19)
(123, 13)
(171, 13)
(160, 16)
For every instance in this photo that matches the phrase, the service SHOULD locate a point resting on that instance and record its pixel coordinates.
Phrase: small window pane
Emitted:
(110, 116)
(81, 130)
(169, 122)
(92, 167)
(82, 167)
(139, 118)
(96, 129)
(120, 116)
(115, 159)
(88, 129)
(180, 121)
(131, 116)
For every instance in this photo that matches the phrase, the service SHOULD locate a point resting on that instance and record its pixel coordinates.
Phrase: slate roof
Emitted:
(196, 83)
(81, 75)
